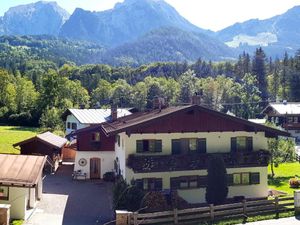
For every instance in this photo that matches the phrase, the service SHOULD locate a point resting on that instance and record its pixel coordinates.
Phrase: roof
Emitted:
(21, 170)
(47, 138)
(292, 108)
(94, 116)
(142, 118)
(137, 119)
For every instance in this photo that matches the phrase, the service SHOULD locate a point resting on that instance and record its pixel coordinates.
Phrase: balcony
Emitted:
(168, 163)
(291, 126)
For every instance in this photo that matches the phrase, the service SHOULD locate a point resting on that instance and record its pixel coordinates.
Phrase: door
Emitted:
(95, 168)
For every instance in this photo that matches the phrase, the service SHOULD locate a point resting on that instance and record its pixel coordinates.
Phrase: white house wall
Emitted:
(18, 198)
(121, 154)
(72, 119)
(107, 161)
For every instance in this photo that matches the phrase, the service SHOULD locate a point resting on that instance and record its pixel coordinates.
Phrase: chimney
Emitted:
(196, 98)
(114, 113)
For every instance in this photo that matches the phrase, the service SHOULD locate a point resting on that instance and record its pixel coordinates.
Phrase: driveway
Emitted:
(69, 202)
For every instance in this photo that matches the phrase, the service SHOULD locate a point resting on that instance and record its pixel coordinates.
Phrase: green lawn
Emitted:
(10, 135)
(283, 173)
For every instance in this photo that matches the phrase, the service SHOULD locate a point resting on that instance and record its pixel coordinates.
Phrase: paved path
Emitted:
(283, 221)
(68, 202)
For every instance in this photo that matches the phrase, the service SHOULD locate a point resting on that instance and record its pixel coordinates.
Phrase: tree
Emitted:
(217, 188)
(102, 94)
(259, 70)
(187, 83)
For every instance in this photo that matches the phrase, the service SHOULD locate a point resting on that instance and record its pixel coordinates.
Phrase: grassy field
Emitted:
(283, 173)
(10, 135)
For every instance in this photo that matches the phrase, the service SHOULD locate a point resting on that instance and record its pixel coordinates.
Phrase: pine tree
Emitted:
(217, 187)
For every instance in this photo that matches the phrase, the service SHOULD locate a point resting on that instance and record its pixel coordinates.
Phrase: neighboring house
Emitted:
(168, 149)
(285, 115)
(76, 119)
(21, 183)
(46, 144)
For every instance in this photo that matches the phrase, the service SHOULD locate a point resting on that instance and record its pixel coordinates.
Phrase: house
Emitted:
(76, 119)
(21, 183)
(168, 149)
(285, 115)
(46, 144)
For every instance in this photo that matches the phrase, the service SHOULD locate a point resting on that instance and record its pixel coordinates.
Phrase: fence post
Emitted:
(135, 219)
(211, 207)
(276, 206)
(175, 216)
(245, 207)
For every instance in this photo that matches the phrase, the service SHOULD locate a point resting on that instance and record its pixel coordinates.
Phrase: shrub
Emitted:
(217, 188)
(154, 201)
(119, 190)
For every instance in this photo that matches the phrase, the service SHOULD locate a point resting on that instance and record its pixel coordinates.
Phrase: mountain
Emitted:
(34, 19)
(125, 22)
(1, 26)
(168, 44)
(277, 34)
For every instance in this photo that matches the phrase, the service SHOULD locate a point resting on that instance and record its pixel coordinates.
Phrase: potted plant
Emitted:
(294, 183)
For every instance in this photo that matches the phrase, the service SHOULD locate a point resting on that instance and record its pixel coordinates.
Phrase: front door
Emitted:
(95, 168)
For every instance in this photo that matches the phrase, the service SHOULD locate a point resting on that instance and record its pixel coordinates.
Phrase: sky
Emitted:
(207, 14)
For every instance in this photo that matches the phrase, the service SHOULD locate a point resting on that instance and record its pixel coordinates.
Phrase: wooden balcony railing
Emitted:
(166, 163)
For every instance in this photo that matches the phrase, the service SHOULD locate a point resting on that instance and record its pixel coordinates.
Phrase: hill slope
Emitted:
(34, 19)
(277, 34)
(168, 44)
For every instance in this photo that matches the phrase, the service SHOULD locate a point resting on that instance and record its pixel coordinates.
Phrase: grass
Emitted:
(283, 173)
(17, 222)
(10, 135)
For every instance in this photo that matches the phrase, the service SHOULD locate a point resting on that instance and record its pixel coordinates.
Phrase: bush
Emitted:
(154, 201)
(217, 188)
(119, 190)
(294, 183)
(109, 176)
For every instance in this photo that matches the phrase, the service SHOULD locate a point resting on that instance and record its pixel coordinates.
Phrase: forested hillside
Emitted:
(38, 84)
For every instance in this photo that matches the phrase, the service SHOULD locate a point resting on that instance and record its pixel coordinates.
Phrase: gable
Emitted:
(193, 120)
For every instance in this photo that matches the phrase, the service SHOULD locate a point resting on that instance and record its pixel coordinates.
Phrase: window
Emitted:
(186, 145)
(118, 140)
(148, 146)
(243, 179)
(241, 144)
(188, 182)
(74, 126)
(69, 125)
(96, 137)
(4, 193)
(149, 184)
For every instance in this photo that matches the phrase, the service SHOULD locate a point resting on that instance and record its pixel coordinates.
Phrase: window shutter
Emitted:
(201, 145)
(176, 147)
(158, 184)
(174, 183)
(139, 184)
(184, 144)
(249, 144)
(158, 146)
(229, 179)
(254, 178)
(139, 146)
(233, 144)
(202, 181)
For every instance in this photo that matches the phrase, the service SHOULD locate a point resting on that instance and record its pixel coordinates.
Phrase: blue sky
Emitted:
(209, 14)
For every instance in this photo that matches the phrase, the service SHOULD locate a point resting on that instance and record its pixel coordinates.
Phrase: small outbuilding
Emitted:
(45, 144)
(21, 183)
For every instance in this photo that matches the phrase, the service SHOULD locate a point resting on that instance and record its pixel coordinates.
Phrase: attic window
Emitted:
(96, 137)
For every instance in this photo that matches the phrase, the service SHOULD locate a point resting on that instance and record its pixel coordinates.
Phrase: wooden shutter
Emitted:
(249, 144)
(139, 146)
(139, 184)
(233, 144)
(158, 184)
(254, 178)
(202, 181)
(229, 179)
(176, 146)
(201, 145)
(184, 144)
(174, 181)
(158, 146)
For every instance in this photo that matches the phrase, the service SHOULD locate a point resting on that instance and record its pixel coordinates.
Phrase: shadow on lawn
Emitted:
(33, 129)
(279, 181)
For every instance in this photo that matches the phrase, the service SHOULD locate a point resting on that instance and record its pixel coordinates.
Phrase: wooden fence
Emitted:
(211, 212)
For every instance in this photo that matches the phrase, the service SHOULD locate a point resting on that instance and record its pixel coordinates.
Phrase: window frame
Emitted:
(74, 126)
(153, 146)
(69, 125)
(5, 197)
(94, 139)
